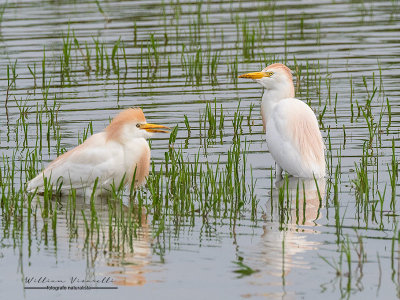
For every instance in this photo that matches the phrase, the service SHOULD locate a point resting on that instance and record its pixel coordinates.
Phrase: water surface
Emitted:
(346, 62)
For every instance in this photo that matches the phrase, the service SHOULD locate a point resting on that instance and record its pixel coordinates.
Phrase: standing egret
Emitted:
(117, 154)
(292, 132)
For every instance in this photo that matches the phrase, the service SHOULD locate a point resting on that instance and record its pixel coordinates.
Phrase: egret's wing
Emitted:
(294, 139)
(79, 167)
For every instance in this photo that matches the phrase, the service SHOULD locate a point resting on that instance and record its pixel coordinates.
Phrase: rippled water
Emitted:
(343, 50)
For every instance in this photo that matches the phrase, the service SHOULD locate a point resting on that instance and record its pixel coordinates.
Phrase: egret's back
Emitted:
(81, 166)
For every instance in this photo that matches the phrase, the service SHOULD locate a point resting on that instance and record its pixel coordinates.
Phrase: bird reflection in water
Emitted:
(300, 199)
(291, 216)
(295, 206)
(105, 233)
(131, 261)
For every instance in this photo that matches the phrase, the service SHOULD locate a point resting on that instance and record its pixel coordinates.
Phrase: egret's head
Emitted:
(275, 76)
(131, 123)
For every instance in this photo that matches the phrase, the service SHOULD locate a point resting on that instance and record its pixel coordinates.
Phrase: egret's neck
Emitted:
(272, 96)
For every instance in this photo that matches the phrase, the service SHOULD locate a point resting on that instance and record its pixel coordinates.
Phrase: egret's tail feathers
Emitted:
(35, 184)
(42, 183)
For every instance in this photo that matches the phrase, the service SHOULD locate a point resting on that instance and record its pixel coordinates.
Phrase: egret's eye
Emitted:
(269, 74)
(138, 125)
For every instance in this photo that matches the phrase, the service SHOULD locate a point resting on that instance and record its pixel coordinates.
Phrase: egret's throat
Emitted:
(272, 96)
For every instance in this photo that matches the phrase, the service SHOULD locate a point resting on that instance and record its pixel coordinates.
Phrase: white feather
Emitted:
(282, 139)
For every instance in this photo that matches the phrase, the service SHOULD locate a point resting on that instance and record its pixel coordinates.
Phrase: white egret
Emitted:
(116, 154)
(292, 132)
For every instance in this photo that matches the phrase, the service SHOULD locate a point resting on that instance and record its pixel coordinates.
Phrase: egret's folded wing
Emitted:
(79, 167)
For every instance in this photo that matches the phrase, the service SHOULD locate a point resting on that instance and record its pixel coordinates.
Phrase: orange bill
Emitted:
(254, 75)
(154, 128)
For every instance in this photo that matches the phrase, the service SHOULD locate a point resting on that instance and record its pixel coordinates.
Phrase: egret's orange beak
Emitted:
(154, 128)
(254, 75)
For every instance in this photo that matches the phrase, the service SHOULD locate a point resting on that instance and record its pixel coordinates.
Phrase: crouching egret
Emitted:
(117, 154)
(292, 132)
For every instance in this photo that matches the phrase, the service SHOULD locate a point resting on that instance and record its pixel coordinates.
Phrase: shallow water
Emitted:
(343, 50)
